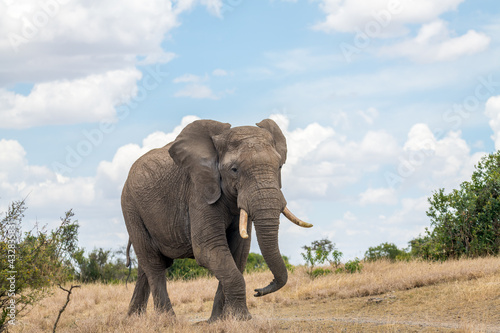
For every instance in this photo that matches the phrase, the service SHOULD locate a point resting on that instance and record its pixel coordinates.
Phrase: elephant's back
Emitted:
(152, 174)
(150, 168)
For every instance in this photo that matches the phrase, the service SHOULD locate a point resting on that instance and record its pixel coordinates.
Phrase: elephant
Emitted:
(197, 197)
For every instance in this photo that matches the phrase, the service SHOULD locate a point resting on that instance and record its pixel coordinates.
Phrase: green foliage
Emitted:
(387, 251)
(102, 266)
(318, 253)
(353, 266)
(255, 263)
(465, 222)
(32, 262)
(319, 272)
(186, 269)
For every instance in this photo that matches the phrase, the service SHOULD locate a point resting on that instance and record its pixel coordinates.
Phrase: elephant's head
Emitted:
(242, 166)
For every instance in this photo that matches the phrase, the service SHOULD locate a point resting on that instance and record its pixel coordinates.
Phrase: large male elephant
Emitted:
(197, 197)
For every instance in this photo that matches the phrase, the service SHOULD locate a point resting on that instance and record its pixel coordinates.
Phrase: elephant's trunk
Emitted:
(267, 236)
(264, 202)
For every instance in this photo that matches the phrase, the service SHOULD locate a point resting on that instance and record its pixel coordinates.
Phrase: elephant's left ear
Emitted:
(279, 138)
(193, 150)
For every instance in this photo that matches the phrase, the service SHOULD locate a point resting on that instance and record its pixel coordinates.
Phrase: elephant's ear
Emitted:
(279, 138)
(194, 151)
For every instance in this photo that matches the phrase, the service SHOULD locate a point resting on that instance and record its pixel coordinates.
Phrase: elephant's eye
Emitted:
(233, 169)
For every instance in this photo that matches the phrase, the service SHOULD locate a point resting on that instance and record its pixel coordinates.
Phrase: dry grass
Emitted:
(383, 276)
(455, 296)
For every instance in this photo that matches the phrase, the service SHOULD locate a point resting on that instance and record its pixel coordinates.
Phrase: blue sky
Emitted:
(382, 102)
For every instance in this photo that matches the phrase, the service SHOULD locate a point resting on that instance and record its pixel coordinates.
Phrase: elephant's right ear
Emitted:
(194, 151)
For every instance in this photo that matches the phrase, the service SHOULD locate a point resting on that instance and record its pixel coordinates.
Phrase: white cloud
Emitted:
(69, 36)
(378, 146)
(389, 16)
(81, 56)
(213, 6)
(44, 188)
(435, 43)
(301, 142)
(420, 137)
(492, 110)
(321, 163)
(88, 99)
(384, 196)
(429, 162)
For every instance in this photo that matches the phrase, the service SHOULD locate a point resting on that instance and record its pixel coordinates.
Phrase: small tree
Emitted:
(103, 266)
(318, 253)
(32, 262)
(466, 222)
(385, 251)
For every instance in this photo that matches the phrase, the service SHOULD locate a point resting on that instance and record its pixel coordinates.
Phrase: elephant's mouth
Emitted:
(288, 214)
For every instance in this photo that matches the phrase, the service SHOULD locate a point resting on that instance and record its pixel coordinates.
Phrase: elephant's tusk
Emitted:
(243, 224)
(294, 219)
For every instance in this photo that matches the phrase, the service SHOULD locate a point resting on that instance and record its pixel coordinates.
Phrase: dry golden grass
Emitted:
(455, 296)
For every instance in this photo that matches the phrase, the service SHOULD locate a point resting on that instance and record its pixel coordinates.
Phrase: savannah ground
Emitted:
(416, 296)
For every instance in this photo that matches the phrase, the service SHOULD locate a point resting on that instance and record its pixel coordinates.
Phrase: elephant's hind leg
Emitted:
(140, 297)
(158, 281)
(152, 265)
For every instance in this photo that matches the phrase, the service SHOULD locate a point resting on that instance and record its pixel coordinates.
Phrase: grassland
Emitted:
(454, 296)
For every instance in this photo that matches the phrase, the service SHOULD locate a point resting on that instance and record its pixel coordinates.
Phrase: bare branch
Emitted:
(64, 307)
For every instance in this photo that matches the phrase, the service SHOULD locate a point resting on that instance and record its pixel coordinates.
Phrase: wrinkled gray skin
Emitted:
(184, 201)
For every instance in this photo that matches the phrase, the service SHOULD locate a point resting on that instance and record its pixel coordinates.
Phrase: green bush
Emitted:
(320, 272)
(32, 261)
(255, 263)
(387, 251)
(186, 269)
(353, 266)
(465, 222)
(318, 253)
(103, 266)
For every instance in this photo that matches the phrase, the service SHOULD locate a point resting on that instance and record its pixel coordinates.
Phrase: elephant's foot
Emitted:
(240, 314)
(136, 310)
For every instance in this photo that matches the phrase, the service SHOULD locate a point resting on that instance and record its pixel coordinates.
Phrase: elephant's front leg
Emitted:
(211, 250)
(239, 248)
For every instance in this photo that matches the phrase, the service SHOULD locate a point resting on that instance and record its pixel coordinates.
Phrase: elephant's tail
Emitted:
(128, 253)
(128, 264)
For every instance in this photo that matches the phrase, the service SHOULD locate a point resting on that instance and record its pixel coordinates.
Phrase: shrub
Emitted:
(318, 253)
(186, 269)
(256, 263)
(465, 222)
(32, 262)
(386, 251)
(320, 272)
(103, 266)
(353, 266)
